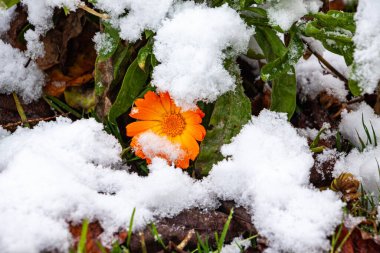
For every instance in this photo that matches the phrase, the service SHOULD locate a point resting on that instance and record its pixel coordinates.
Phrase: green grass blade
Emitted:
(225, 230)
(130, 228)
(83, 237)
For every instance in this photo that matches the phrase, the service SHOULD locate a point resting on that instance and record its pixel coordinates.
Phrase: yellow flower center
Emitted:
(173, 124)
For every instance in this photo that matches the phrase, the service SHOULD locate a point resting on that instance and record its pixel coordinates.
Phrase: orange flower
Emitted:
(158, 114)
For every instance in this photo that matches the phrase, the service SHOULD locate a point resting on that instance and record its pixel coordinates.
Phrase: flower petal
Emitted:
(144, 113)
(141, 126)
(192, 117)
(150, 101)
(190, 145)
(197, 131)
(166, 101)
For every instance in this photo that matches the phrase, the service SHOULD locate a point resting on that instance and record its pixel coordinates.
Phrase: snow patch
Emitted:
(14, 77)
(367, 45)
(6, 16)
(192, 47)
(285, 12)
(267, 170)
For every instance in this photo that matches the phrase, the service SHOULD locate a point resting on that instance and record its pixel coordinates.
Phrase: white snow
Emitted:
(14, 77)
(192, 48)
(285, 12)
(6, 16)
(233, 247)
(153, 145)
(361, 164)
(351, 124)
(367, 45)
(103, 42)
(267, 170)
(312, 78)
(142, 15)
(60, 171)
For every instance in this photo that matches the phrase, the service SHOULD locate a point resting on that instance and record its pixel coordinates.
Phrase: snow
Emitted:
(351, 124)
(367, 45)
(103, 41)
(233, 246)
(6, 16)
(285, 12)
(267, 170)
(192, 59)
(60, 171)
(364, 164)
(142, 15)
(312, 78)
(153, 145)
(14, 77)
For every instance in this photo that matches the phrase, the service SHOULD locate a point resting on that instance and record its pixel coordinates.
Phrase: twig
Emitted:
(20, 110)
(326, 63)
(94, 12)
(356, 100)
(10, 125)
(185, 241)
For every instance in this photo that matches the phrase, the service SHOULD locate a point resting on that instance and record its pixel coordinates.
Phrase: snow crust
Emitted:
(285, 12)
(312, 78)
(142, 15)
(233, 246)
(192, 59)
(267, 170)
(6, 16)
(367, 45)
(14, 77)
(60, 171)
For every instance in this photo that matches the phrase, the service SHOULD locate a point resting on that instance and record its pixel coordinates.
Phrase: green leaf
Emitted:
(133, 83)
(111, 44)
(283, 64)
(144, 53)
(80, 98)
(270, 43)
(6, 4)
(232, 110)
(284, 91)
(335, 30)
(354, 87)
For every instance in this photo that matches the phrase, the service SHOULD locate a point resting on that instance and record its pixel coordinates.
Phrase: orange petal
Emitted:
(192, 117)
(141, 126)
(144, 113)
(190, 145)
(166, 101)
(183, 163)
(150, 101)
(197, 131)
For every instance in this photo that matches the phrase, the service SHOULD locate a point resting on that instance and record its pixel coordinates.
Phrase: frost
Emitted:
(192, 59)
(312, 78)
(351, 124)
(367, 45)
(14, 77)
(59, 172)
(142, 15)
(103, 41)
(285, 12)
(6, 17)
(274, 184)
(153, 145)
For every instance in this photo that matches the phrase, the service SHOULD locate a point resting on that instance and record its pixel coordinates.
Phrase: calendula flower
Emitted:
(165, 130)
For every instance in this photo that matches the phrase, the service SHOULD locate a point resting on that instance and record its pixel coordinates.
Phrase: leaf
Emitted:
(353, 85)
(284, 91)
(231, 112)
(112, 36)
(284, 87)
(6, 4)
(133, 83)
(335, 30)
(144, 53)
(283, 64)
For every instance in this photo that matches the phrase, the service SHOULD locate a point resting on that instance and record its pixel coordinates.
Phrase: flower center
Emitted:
(173, 124)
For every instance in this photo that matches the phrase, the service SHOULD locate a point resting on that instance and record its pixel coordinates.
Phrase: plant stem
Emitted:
(93, 12)
(20, 110)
